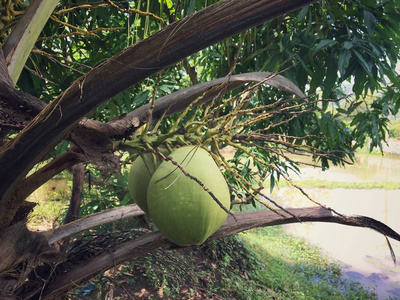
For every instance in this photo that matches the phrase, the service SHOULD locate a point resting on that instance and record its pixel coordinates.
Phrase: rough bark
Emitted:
(93, 220)
(166, 47)
(12, 96)
(18, 244)
(4, 76)
(17, 109)
(78, 174)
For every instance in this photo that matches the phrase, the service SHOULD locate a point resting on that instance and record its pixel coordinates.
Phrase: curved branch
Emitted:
(180, 100)
(107, 216)
(244, 221)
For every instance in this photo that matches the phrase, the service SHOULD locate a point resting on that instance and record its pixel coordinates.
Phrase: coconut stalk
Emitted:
(20, 42)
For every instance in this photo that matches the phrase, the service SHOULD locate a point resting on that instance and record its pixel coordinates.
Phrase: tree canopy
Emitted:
(104, 82)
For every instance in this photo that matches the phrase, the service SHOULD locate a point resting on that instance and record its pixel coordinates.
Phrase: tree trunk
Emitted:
(78, 173)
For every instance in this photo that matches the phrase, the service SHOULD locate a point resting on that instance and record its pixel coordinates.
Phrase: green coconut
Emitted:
(139, 177)
(183, 211)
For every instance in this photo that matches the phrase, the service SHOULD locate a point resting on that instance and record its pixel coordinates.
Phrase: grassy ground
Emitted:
(264, 263)
(52, 202)
(297, 270)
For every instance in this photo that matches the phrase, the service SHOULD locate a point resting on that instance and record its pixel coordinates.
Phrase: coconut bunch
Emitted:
(183, 179)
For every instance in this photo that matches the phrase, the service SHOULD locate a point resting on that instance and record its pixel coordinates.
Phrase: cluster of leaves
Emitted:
(103, 193)
(328, 45)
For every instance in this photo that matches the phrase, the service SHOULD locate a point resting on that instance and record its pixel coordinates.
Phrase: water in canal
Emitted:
(364, 253)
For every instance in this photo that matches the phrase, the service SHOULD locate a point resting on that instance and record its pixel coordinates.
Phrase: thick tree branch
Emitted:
(173, 103)
(180, 100)
(244, 221)
(78, 173)
(104, 217)
(19, 100)
(176, 41)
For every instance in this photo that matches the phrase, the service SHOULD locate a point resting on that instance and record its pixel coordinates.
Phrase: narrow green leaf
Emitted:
(343, 61)
(325, 44)
(317, 78)
(341, 111)
(347, 45)
(272, 183)
(191, 7)
(353, 106)
(370, 22)
(303, 12)
(364, 63)
(331, 77)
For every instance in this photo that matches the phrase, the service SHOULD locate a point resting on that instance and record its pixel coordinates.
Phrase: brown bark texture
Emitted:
(78, 173)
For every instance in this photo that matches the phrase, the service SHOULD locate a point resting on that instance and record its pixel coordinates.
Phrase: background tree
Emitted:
(90, 53)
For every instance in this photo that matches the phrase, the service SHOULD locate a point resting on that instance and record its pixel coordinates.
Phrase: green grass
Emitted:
(394, 130)
(376, 152)
(294, 269)
(52, 201)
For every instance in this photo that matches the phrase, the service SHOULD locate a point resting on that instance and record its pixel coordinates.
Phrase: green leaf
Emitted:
(353, 106)
(317, 78)
(331, 77)
(323, 44)
(370, 22)
(272, 183)
(343, 61)
(303, 12)
(191, 7)
(332, 129)
(366, 66)
(342, 111)
(347, 45)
